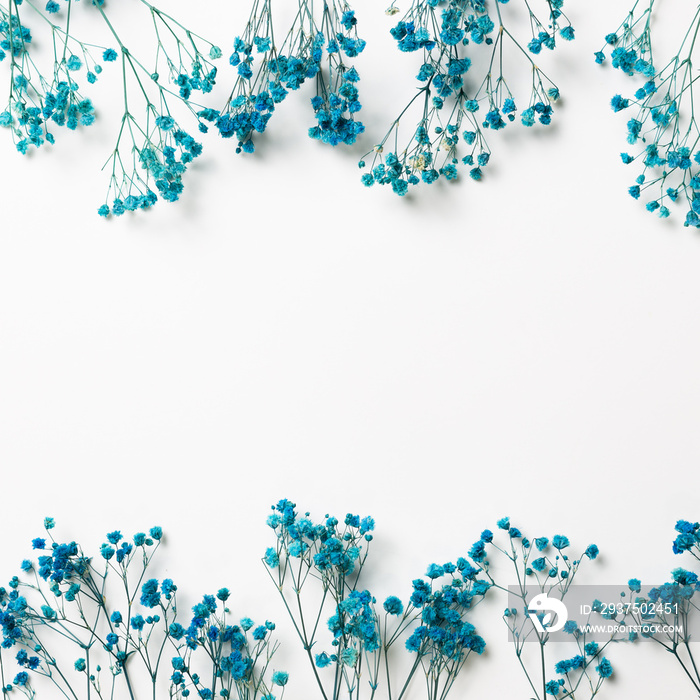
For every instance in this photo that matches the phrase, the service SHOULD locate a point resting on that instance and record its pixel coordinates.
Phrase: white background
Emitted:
(527, 346)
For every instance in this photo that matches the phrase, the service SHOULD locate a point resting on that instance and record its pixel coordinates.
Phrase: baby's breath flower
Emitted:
(127, 626)
(316, 46)
(544, 578)
(663, 129)
(461, 96)
(433, 627)
(149, 156)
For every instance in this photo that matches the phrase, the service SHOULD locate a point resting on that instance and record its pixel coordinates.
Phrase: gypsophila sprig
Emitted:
(93, 626)
(543, 572)
(265, 72)
(435, 624)
(314, 47)
(662, 130)
(332, 553)
(152, 149)
(464, 89)
(317, 567)
(43, 98)
(337, 98)
(238, 653)
(664, 614)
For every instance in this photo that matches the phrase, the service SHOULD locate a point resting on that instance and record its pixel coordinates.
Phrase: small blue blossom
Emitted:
(280, 678)
(322, 660)
(592, 551)
(74, 63)
(393, 605)
(604, 668)
(560, 542)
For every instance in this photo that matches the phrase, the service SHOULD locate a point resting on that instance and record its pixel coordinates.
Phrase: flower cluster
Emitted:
(337, 97)
(68, 601)
(333, 552)
(432, 623)
(313, 48)
(544, 571)
(264, 75)
(662, 130)
(152, 151)
(161, 152)
(40, 100)
(688, 538)
(239, 654)
(664, 614)
(463, 89)
(441, 637)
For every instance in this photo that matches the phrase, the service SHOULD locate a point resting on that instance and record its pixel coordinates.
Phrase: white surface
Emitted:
(527, 346)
